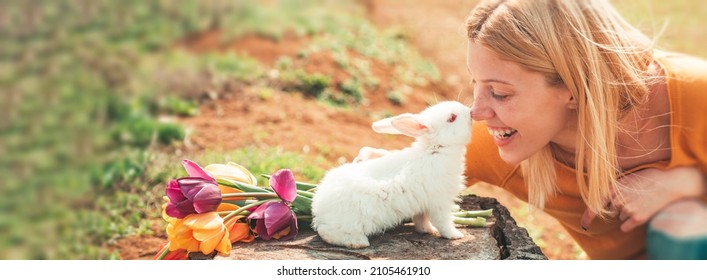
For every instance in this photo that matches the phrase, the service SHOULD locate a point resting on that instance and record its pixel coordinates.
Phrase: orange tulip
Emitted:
(227, 207)
(203, 232)
(238, 231)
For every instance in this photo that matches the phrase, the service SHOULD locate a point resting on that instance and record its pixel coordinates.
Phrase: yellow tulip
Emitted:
(203, 232)
(232, 171)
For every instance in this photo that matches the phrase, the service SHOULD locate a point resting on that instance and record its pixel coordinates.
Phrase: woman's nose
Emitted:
(479, 111)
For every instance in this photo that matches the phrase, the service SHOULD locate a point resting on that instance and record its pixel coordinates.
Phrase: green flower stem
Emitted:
(241, 202)
(164, 252)
(226, 213)
(245, 208)
(473, 213)
(249, 194)
(475, 222)
(304, 218)
(242, 186)
(305, 193)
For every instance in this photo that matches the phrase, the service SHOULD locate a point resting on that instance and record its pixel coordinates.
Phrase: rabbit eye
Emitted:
(452, 118)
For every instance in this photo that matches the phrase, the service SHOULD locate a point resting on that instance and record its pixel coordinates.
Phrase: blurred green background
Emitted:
(87, 113)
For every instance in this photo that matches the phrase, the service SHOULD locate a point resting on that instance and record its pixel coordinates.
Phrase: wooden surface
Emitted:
(501, 238)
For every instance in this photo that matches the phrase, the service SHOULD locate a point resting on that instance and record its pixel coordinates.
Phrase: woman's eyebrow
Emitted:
(495, 81)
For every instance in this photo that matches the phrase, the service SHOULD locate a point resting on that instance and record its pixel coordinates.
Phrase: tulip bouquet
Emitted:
(215, 207)
(221, 204)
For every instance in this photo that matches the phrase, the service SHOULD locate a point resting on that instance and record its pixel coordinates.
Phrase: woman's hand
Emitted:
(642, 194)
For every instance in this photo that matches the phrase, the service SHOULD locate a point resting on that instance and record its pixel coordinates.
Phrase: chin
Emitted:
(510, 158)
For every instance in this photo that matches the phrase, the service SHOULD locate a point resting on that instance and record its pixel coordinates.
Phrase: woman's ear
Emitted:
(572, 104)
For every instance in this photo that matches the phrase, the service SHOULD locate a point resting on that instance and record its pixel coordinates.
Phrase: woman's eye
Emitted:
(498, 96)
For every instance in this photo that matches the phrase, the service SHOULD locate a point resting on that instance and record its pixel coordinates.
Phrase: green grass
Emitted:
(85, 86)
(86, 148)
(676, 25)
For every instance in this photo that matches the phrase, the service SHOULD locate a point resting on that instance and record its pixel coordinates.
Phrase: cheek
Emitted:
(512, 114)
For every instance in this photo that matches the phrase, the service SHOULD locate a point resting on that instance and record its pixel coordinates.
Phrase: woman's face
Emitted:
(522, 111)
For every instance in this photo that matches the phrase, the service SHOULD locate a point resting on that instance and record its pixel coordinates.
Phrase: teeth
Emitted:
(502, 133)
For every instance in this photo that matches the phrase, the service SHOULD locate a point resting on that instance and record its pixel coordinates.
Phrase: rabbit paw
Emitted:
(452, 233)
(353, 241)
(358, 244)
(423, 225)
(425, 228)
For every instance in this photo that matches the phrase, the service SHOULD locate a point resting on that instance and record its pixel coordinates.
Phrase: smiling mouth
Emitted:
(502, 134)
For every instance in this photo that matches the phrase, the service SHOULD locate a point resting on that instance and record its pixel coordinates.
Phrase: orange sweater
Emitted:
(687, 90)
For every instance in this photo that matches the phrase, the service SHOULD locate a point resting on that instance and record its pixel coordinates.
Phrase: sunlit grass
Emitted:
(677, 25)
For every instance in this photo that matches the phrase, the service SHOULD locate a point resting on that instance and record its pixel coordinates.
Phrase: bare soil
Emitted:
(300, 124)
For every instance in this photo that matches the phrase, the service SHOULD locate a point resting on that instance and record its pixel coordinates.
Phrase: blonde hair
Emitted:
(588, 47)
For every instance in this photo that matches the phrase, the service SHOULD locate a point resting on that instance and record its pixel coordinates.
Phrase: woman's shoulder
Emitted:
(683, 67)
(686, 78)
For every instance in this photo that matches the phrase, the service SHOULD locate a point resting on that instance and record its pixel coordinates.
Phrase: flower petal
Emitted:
(294, 229)
(224, 247)
(277, 217)
(207, 198)
(282, 233)
(238, 231)
(283, 183)
(180, 254)
(173, 211)
(262, 230)
(166, 216)
(207, 246)
(194, 170)
(259, 213)
(231, 171)
(227, 207)
(252, 180)
(204, 235)
(190, 186)
(209, 220)
(173, 191)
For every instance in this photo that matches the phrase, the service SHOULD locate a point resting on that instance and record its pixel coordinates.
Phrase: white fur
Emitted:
(421, 182)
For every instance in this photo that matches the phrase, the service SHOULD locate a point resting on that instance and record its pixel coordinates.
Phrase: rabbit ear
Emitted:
(409, 125)
(385, 126)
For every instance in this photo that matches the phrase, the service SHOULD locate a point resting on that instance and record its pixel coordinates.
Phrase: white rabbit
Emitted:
(421, 182)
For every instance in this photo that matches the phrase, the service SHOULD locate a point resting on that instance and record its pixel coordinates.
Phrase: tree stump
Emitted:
(501, 238)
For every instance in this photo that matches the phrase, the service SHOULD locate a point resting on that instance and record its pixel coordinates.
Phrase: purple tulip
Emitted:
(194, 170)
(273, 217)
(192, 195)
(283, 183)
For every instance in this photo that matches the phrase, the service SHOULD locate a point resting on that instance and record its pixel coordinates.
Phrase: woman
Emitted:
(578, 115)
